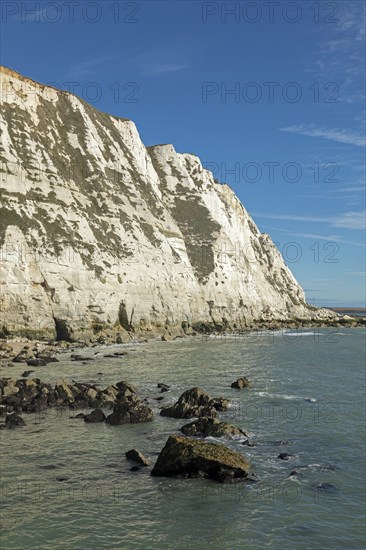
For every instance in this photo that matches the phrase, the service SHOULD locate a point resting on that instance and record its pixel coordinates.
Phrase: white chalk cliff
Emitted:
(96, 228)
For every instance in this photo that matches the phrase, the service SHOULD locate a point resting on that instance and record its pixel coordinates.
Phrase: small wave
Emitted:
(278, 396)
(300, 333)
(322, 467)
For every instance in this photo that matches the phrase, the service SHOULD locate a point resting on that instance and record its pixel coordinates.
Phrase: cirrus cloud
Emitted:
(333, 134)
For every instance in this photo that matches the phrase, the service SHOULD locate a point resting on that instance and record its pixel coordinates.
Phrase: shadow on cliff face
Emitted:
(63, 330)
(123, 317)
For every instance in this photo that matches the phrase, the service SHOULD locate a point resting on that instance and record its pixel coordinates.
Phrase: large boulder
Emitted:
(194, 402)
(241, 383)
(185, 457)
(129, 412)
(95, 416)
(125, 389)
(13, 420)
(208, 426)
(36, 404)
(138, 457)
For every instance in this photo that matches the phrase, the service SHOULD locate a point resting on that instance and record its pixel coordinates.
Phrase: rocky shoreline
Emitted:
(184, 456)
(104, 334)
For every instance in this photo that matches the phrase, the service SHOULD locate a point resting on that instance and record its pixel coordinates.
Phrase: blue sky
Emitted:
(289, 138)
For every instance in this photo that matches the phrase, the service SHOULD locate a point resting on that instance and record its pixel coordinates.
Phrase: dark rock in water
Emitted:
(220, 404)
(241, 383)
(248, 443)
(326, 488)
(47, 357)
(125, 389)
(36, 363)
(209, 426)
(129, 412)
(27, 373)
(42, 360)
(136, 456)
(285, 456)
(163, 387)
(12, 402)
(37, 404)
(193, 402)
(311, 400)
(115, 354)
(295, 473)
(75, 357)
(62, 478)
(80, 415)
(282, 443)
(13, 420)
(160, 398)
(135, 469)
(20, 358)
(185, 457)
(95, 416)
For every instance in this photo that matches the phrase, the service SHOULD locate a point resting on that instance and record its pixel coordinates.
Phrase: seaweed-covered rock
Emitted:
(241, 383)
(193, 402)
(95, 416)
(285, 456)
(129, 412)
(64, 390)
(208, 426)
(220, 404)
(185, 457)
(13, 420)
(136, 456)
(125, 389)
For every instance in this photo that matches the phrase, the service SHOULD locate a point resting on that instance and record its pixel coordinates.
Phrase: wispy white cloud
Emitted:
(350, 189)
(158, 62)
(88, 66)
(353, 20)
(333, 134)
(338, 52)
(347, 220)
(350, 220)
(317, 237)
(329, 238)
(164, 68)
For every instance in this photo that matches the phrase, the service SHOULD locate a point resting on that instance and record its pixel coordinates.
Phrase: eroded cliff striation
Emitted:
(96, 229)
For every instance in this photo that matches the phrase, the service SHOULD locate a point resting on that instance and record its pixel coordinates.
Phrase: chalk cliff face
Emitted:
(96, 228)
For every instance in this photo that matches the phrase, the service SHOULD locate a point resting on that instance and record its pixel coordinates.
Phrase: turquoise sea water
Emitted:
(66, 484)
